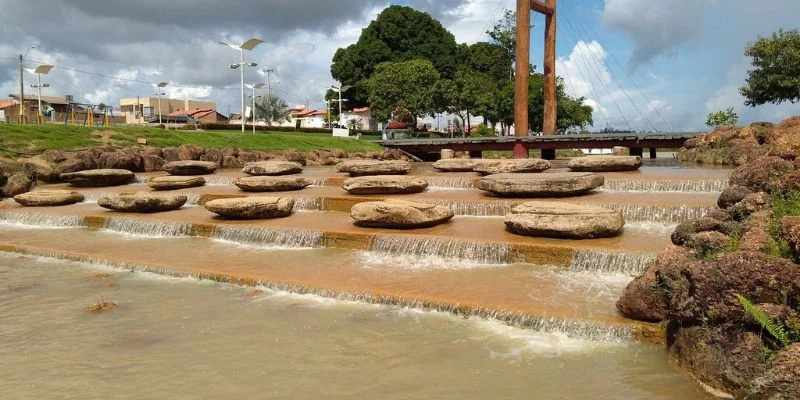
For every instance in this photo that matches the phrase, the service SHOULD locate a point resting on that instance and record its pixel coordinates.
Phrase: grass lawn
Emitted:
(18, 139)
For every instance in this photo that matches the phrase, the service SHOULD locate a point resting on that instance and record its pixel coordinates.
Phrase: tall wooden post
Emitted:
(521, 75)
(549, 122)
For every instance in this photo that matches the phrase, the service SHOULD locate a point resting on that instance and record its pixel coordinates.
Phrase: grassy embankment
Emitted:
(22, 140)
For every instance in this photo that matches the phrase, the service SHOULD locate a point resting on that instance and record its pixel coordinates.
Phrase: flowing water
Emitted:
(182, 338)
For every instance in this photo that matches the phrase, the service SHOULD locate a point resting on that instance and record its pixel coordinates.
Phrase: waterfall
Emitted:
(148, 227)
(610, 261)
(307, 203)
(656, 213)
(277, 237)
(484, 253)
(318, 180)
(217, 180)
(666, 185)
(444, 182)
(41, 220)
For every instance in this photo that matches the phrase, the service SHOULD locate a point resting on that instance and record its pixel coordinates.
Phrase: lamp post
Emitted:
(247, 45)
(254, 87)
(22, 85)
(340, 91)
(39, 71)
(160, 86)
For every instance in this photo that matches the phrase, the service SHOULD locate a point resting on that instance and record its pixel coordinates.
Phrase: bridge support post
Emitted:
(653, 153)
(548, 154)
(476, 154)
(637, 151)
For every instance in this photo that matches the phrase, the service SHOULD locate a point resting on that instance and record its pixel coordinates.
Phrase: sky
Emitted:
(643, 65)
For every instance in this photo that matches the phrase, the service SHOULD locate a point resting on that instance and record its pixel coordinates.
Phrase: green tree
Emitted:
(504, 33)
(399, 33)
(490, 59)
(722, 118)
(402, 88)
(572, 112)
(463, 94)
(776, 77)
(273, 109)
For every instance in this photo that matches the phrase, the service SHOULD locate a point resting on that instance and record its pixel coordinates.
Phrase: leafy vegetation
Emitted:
(776, 329)
(728, 117)
(398, 87)
(273, 109)
(17, 140)
(776, 74)
(783, 204)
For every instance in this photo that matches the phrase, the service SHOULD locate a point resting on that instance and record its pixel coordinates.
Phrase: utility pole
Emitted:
(21, 91)
(269, 72)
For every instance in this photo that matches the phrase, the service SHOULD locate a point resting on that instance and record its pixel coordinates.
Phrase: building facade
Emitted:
(138, 110)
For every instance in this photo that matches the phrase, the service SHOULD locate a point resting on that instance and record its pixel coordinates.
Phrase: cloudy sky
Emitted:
(642, 64)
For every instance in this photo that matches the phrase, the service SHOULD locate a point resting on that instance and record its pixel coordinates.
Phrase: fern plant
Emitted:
(774, 328)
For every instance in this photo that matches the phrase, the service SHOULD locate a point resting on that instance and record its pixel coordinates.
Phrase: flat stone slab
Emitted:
(562, 184)
(48, 198)
(252, 207)
(566, 221)
(399, 214)
(455, 165)
(271, 183)
(385, 184)
(142, 202)
(174, 182)
(374, 167)
(188, 168)
(605, 163)
(528, 165)
(98, 177)
(272, 168)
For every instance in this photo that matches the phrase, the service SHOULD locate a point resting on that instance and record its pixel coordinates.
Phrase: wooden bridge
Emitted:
(430, 148)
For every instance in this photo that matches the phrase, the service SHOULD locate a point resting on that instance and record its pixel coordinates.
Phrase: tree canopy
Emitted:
(405, 87)
(776, 77)
(398, 34)
(272, 109)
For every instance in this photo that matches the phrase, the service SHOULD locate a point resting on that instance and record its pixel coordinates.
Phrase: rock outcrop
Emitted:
(98, 177)
(272, 183)
(385, 184)
(175, 182)
(373, 167)
(529, 165)
(189, 168)
(398, 214)
(252, 207)
(541, 185)
(48, 198)
(272, 168)
(562, 220)
(605, 163)
(456, 164)
(142, 202)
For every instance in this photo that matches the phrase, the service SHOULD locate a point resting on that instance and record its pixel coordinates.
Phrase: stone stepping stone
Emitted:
(374, 167)
(605, 163)
(563, 184)
(272, 183)
(272, 168)
(48, 198)
(188, 168)
(142, 202)
(252, 207)
(399, 214)
(527, 165)
(565, 221)
(385, 184)
(455, 165)
(98, 177)
(173, 182)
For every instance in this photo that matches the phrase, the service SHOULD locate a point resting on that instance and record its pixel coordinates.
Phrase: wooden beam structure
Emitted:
(524, 8)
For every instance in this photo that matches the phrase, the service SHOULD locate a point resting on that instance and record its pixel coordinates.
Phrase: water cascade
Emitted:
(41, 220)
(148, 227)
(484, 253)
(264, 236)
(450, 183)
(706, 185)
(610, 261)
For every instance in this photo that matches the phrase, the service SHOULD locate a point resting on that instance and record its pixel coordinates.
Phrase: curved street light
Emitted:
(247, 45)
(160, 86)
(254, 87)
(43, 69)
(22, 84)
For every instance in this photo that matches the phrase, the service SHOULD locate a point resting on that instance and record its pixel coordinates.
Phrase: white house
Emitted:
(304, 118)
(363, 118)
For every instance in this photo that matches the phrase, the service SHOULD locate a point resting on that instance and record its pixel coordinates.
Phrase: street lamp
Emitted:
(247, 45)
(254, 87)
(39, 71)
(340, 91)
(22, 85)
(160, 86)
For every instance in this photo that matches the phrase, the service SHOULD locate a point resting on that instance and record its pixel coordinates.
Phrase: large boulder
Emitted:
(541, 185)
(272, 168)
(48, 198)
(120, 159)
(40, 169)
(708, 243)
(561, 220)
(152, 162)
(789, 230)
(781, 381)
(647, 297)
(784, 140)
(686, 229)
(529, 165)
(188, 167)
(374, 167)
(189, 152)
(174, 182)
(213, 155)
(762, 174)
(142, 202)
(605, 163)
(98, 177)
(16, 184)
(750, 204)
(399, 214)
(455, 165)
(385, 184)
(732, 195)
(252, 207)
(272, 183)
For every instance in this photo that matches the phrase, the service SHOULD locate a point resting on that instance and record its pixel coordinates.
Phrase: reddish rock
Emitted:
(647, 297)
(151, 162)
(706, 243)
(688, 228)
(781, 381)
(732, 195)
(170, 154)
(751, 203)
(121, 159)
(790, 182)
(790, 231)
(231, 162)
(762, 174)
(213, 155)
(189, 152)
(784, 139)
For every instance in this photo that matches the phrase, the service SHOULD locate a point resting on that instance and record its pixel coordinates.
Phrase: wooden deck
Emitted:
(637, 142)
